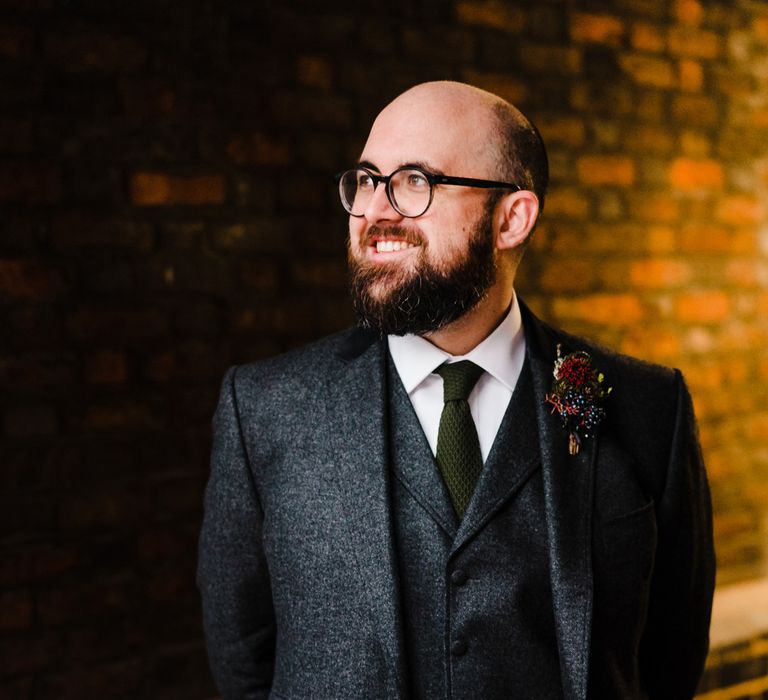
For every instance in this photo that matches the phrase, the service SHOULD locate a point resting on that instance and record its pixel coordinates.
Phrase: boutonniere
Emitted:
(577, 392)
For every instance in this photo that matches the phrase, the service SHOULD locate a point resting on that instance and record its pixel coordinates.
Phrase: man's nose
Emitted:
(379, 207)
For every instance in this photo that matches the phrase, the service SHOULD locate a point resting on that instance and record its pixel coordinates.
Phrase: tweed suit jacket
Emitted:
(297, 568)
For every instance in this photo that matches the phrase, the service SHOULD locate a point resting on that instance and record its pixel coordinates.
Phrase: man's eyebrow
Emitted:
(422, 165)
(367, 164)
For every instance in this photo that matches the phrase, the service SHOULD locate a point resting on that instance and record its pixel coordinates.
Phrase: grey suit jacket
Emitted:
(297, 569)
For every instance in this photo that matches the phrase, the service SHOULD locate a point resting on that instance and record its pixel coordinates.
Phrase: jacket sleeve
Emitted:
(232, 575)
(676, 639)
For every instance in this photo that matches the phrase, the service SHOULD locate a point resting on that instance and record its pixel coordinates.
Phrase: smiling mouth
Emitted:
(391, 246)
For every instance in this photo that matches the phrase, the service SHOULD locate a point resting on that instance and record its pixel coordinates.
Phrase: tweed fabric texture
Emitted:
(484, 581)
(298, 572)
(458, 449)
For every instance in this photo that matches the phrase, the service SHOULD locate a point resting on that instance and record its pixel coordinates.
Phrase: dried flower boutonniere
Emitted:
(577, 392)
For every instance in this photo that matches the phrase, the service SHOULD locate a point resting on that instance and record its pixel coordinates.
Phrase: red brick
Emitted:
(504, 85)
(29, 279)
(596, 29)
(106, 368)
(736, 372)
(124, 415)
(314, 71)
(648, 138)
(762, 305)
(15, 610)
(650, 343)
(606, 170)
(740, 209)
(688, 12)
(746, 272)
(648, 70)
(260, 275)
(69, 602)
(703, 307)
(694, 174)
(259, 149)
(163, 544)
(29, 183)
(94, 324)
(562, 131)
(560, 60)
(18, 689)
(319, 274)
(694, 43)
(704, 375)
(38, 371)
(80, 229)
(695, 144)
(24, 654)
(760, 28)
(691, 75)
(98, 52)
(148, 98)
(16, 43)
(647, 37)
(491, 13)
(708, 238)
(158, 189)
(558, 275)
(660, 239)
(16, 135)
(696, 109)
(613, 309)
(658, 273)
(566, 202)
(312, 109)
(655, 207)
(161, 367)
(37, 563)
(98, 511)
(756, 427)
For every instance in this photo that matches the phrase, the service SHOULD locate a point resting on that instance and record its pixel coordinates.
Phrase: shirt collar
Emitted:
(501, 354)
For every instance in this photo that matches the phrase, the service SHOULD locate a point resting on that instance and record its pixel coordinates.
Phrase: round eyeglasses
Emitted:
(409, 189)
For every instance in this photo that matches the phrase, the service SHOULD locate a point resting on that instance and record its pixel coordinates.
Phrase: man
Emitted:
(453, 500)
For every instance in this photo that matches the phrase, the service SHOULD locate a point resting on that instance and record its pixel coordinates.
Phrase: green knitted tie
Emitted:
(458, 449)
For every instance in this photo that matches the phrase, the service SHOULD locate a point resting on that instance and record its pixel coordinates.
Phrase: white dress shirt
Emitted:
(501, 355)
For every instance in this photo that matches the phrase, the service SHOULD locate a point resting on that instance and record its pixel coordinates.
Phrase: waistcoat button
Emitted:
(459, 577)
(458, 647)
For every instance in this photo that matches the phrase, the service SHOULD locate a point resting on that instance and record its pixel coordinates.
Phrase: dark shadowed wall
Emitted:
(168, 210)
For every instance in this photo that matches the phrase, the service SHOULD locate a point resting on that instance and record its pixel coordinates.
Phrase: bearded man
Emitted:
(453, 500)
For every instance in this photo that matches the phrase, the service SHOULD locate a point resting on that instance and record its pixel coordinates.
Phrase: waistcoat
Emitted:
(476, 594)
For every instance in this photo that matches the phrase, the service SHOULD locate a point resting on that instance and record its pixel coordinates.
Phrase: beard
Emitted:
(426, 297)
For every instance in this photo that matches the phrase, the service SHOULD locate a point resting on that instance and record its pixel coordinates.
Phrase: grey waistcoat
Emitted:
(476, 595)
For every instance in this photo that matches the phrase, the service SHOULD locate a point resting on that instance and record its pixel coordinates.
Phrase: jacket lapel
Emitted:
(357, 430)
(568, 489)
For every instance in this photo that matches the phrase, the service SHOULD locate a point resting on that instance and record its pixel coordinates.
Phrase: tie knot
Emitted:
(458, 379)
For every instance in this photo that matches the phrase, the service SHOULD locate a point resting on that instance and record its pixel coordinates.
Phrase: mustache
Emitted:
(393, 232)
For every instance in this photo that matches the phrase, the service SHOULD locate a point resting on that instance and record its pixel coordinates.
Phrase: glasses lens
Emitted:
(356, 188)
(411, 191)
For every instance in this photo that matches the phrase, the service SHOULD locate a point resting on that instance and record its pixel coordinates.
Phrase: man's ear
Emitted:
(516, 215)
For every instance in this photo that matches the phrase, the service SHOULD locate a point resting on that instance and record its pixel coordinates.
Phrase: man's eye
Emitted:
(417, 181)
(364, 182)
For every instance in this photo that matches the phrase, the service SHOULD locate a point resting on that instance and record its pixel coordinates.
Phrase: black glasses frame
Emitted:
(432, 178)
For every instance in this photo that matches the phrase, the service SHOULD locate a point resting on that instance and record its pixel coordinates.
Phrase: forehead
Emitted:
(450, 136)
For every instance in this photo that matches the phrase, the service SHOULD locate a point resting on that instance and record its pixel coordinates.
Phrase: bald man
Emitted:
(453, 499)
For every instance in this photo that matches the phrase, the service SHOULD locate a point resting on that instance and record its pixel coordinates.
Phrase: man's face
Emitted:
(415, 275)
(422, 296)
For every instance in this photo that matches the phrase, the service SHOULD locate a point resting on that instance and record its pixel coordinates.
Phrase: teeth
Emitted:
(392, 246)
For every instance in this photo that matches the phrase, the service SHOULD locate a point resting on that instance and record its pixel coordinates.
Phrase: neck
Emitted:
(461, 336)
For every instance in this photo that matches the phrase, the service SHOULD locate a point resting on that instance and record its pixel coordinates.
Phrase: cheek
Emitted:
(355, 229)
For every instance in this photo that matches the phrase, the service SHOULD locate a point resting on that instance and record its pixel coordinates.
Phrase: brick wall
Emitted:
(167, 210)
